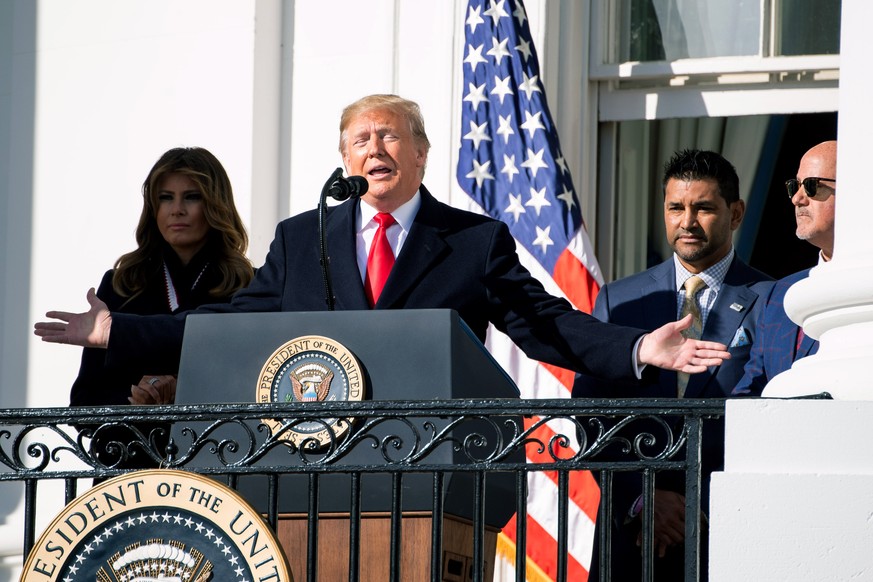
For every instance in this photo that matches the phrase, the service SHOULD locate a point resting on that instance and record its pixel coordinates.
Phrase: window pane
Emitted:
(811, 27)
(655, 30)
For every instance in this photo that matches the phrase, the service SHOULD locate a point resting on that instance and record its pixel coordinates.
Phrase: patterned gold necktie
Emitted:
(693, 285)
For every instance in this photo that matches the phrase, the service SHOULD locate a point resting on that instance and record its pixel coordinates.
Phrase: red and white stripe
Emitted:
(577, 277)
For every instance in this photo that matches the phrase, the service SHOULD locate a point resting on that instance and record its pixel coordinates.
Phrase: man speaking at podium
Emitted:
(397, 247)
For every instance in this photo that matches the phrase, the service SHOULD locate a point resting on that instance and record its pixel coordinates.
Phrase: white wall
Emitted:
(91, 93)
(793, 501)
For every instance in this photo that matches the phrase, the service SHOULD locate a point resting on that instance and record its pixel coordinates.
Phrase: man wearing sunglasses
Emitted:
(780, 341)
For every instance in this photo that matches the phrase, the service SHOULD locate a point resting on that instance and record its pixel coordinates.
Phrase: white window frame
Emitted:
(710, 87)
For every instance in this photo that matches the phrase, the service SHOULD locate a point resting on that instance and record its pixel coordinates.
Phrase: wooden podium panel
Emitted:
(375, 548)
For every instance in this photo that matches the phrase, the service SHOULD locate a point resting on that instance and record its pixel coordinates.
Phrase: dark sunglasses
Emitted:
(809, 184)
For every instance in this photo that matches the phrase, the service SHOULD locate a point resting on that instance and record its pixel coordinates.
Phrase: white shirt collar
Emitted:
(712, 276)
(404, 215)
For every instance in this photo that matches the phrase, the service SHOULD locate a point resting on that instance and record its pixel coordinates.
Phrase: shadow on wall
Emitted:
(17, 119)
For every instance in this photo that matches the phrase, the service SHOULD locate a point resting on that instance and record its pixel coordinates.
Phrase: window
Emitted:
(726, 75)
(669, 30)
(811, 27)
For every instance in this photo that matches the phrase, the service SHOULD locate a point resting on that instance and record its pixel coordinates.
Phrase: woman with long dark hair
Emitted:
(190, 251)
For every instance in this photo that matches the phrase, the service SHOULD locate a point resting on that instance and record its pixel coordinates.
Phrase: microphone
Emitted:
(345, 188)
(338, 188)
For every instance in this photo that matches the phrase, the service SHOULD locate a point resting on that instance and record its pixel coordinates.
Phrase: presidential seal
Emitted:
(158, 525)
(311, 369)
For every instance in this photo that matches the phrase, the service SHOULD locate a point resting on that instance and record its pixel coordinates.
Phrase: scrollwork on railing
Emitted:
(391, 435)
(29, 443)
(645, 437)
(222, 448)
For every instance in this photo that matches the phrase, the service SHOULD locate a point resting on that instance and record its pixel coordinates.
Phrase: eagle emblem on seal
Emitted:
(310, 382)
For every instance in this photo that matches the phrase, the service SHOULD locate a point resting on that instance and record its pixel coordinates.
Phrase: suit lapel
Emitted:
(660, 307)
(733, 303)
(784, 345)
(659, 296)
(346, 277)
(731, 306)
(783, 348)
(725, 318)
(789, 328)
(424, 246)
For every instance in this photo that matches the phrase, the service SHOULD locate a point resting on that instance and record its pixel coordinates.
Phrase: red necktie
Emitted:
(380, 260)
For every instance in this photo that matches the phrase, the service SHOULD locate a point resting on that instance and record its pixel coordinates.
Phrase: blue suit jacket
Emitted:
(776, 347)
(648, 299)
(451, 259)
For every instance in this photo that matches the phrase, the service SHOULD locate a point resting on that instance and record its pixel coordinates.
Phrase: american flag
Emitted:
(510, 164)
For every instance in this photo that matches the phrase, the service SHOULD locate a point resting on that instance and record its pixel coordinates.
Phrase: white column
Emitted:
(835, 304)
(793, 501)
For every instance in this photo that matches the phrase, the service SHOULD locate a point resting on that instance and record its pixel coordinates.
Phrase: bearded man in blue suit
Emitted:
(702, 209)
(781, 342)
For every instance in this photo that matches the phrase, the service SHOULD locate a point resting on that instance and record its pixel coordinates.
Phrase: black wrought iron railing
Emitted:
(465, 458)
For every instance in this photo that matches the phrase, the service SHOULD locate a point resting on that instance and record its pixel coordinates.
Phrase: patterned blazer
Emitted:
(776, 346)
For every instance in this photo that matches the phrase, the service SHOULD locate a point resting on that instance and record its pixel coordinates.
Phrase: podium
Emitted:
(405, 355)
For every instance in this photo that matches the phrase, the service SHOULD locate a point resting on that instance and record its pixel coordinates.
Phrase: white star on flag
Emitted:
(476, 95)
(515, 207)
(524, 48)
(474, 56)
(477, 134)
(473, 18)
(480, 172)
(505, 128)
(542, 240)
(534, 162)
(509, 168)
(568, 197)
(537, 199)
(501, 87)
(496, 12)
(532, 122)
(520, 15)
(498, 50)
(529, 85)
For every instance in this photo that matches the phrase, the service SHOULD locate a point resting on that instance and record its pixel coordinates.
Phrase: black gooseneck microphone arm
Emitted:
(338, 188)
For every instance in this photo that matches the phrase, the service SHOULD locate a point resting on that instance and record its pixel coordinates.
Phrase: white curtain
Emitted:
(709, 28)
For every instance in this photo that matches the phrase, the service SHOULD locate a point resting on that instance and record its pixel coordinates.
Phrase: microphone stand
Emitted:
(323, 258)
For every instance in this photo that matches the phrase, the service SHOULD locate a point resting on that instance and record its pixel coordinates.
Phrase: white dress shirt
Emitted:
(365, 229)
